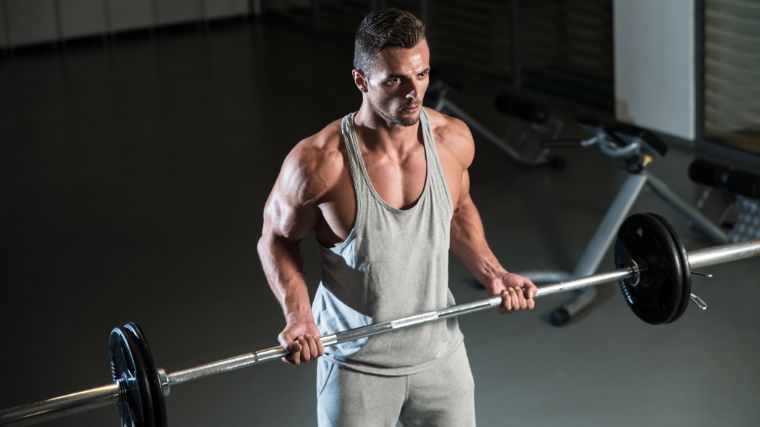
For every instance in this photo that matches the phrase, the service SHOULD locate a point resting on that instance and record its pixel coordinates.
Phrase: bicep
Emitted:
(291, 210)
(287, 217)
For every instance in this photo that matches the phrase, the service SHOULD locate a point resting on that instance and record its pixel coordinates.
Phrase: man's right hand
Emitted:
(301, 338)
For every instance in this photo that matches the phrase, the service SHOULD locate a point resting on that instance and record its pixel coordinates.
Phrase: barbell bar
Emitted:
(636, 266)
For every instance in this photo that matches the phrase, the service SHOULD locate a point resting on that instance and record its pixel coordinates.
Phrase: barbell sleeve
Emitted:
(101, 396)
(724, 253)
(60, 406)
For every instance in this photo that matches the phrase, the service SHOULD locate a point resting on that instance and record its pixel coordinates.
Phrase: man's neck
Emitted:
(379, 134)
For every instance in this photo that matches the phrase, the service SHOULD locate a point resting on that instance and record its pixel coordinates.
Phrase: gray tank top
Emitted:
(394, 263)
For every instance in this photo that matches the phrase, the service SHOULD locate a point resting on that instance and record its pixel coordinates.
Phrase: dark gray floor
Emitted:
(133, 182)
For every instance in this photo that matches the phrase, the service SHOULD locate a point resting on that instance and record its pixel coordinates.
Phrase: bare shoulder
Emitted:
(453, 136)
(313, 166)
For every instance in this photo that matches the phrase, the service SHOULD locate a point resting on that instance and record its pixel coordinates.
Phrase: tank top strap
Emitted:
(352, 147)
(439, 186)
(353, 152)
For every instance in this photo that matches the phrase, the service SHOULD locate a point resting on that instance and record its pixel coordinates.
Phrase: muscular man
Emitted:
(386, 192)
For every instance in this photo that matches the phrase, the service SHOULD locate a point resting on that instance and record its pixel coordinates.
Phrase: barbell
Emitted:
(653, 271)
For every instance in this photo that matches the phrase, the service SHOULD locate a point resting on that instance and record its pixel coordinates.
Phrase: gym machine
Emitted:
(633, 149)
(523, 144)
(732, 198)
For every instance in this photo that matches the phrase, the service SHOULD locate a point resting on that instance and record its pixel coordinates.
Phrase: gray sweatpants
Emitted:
(442, 395)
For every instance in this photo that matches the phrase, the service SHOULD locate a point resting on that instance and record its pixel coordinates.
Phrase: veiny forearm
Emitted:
(468, 243)
(283, 267)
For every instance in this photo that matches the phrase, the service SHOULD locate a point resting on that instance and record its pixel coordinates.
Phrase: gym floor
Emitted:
(134, 176)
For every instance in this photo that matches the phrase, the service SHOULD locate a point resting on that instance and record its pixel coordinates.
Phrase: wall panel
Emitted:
(130, 14)
(31, 21)
(178, 11)
(82, 17)
(225, 8)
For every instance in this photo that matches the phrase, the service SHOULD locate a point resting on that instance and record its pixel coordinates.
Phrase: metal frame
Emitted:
(699, 69)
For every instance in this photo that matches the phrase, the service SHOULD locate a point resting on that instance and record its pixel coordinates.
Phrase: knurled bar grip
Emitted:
(104, 395)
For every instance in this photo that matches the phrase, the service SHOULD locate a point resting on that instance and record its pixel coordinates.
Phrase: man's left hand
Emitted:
(517, 292)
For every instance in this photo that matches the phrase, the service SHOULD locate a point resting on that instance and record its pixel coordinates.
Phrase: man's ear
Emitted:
(360, 79)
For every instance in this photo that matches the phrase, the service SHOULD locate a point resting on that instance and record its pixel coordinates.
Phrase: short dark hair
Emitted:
(385, 29)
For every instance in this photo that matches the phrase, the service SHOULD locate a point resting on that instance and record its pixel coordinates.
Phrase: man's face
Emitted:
(396, 83)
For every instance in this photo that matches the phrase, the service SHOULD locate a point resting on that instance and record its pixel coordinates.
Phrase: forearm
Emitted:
(468, 243)
(283, 267)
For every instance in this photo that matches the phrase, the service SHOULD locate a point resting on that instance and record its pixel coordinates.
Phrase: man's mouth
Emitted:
(411, 108)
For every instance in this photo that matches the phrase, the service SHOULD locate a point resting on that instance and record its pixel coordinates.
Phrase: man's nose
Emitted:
(414, 91)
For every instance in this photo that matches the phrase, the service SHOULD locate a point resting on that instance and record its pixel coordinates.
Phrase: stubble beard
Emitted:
(398, 120)
(407, 122)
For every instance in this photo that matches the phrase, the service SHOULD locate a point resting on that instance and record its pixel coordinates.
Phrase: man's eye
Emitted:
(391, 82)
(423, 74)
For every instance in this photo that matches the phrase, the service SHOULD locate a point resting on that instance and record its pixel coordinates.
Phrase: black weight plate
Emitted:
(159, 403)
(657, 296)
(686, 280)
(128, 369)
